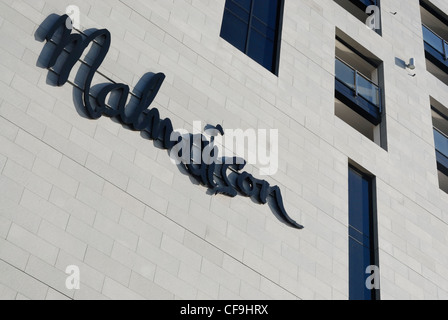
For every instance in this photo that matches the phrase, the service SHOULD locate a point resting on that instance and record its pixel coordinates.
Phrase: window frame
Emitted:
(441, 157)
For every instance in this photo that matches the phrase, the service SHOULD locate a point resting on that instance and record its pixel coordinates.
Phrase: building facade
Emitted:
(354, 204)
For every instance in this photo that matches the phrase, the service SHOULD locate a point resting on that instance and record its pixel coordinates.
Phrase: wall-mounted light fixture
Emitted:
(411, 64)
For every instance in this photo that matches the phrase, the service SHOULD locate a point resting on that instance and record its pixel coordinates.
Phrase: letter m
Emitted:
(66, 39)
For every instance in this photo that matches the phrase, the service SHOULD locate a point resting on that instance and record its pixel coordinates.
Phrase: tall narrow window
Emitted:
(362, 237)
(440, 123)
(253, 26)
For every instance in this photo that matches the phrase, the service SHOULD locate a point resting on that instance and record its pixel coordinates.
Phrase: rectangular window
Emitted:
(435, 37)
(253, 27)
(362, 237)
(359, 88)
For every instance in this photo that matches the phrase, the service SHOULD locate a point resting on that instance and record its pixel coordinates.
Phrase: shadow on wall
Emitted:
(400, 63)
(65, 49)
(404, 65)
(79, 80)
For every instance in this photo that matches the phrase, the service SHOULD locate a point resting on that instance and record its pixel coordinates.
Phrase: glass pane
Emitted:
(345, 74)
(364, 239)
(433, 40)
(266, 11)
(261, 49)
(441, 143)
(263, 29)
(359, 203)
(368, 2)
(234, 30)
(358, 262)
(259, 39)
(237, 11)
(360, 240)
(245, 4)
(368, 90)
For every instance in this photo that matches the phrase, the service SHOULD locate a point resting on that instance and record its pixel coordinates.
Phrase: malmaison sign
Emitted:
(67, 50)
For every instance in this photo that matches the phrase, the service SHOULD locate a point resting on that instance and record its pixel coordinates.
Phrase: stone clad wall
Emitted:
(92, 193)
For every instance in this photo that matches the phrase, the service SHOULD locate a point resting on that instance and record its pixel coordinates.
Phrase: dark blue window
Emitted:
(363, 4)
(253, 26)
(361, 235)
